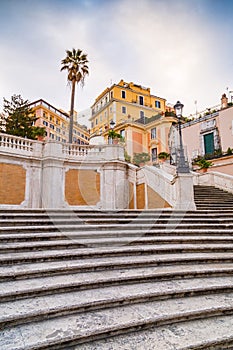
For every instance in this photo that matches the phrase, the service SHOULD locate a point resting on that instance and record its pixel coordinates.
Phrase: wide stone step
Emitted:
(106, 264)
(178, 336)
(63, 331)
(108, 227)
(159, 235)
(119, 221)
(21, 289)
(84, 253)
(79, 242)
(62, 214)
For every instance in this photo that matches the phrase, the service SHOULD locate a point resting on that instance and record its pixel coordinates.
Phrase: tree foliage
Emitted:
(19, 119)
(75, 63)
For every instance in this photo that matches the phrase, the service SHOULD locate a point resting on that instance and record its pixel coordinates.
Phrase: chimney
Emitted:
(224, 101)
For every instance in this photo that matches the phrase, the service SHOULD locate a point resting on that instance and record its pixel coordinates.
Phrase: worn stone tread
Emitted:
(22, 271)
(102, 241)
(112, 251)
(103, 297)
(47, 285)
(99, 227)
(84, 326)
(215, 333)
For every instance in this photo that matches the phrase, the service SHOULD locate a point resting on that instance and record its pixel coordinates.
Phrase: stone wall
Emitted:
(57, 175)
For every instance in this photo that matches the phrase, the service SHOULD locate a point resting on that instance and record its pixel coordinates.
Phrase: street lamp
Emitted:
(182, 166)
(112, 124)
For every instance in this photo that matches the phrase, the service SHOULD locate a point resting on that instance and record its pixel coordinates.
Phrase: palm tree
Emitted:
(76, 65)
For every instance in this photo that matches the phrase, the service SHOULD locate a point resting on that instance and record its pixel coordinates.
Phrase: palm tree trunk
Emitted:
(72, 112)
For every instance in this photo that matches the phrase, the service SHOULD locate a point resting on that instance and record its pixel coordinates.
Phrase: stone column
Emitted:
(53, 176)
(114, 186)
(184, 192)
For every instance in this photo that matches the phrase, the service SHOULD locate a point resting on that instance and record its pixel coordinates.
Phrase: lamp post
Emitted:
(112, 124)
(182, 166)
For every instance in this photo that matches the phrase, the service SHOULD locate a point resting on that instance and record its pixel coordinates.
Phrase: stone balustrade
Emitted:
(25, 147)
(214, 178)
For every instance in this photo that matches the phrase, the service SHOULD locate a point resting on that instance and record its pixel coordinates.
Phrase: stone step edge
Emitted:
(108, 282)
(55, 271)
(106, 215)
(11, 241)
(111, 228)
(130, 326)
(106, 242)
(110, 253)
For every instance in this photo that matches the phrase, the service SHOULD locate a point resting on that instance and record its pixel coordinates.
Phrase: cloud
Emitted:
(172, 46)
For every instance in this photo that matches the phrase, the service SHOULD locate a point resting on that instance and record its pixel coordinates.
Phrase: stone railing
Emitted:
(216, 179)
(177, 190)
(17, 146)
(93, 152)
(16, 143)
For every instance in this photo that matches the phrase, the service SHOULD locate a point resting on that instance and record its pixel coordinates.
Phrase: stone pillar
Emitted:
(53, 173)
(114, 152)
(34, 185)
(114, 186)
(184, 192)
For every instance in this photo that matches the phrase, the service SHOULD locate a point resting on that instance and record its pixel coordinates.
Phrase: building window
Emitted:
(153, 133)
(142, 115)
(45, 123)
(122, 133)
(111, 94)
(123, 109)
(51, 135)
(96, 121)
(141, 100)
(123, 94)
(101, 118)
(157, 104)
(51, 126)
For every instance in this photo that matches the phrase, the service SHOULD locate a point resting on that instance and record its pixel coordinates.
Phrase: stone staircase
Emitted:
(209, 197)
(85, 280)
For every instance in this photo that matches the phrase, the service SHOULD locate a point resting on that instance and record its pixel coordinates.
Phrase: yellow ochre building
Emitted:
(143, 119)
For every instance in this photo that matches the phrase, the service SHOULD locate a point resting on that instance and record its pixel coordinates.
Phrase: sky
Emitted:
(181, 49)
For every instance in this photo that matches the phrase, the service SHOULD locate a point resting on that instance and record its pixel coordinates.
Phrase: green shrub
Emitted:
(163, 155)
(141, 158)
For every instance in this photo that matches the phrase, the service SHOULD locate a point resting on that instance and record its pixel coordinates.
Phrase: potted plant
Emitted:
(114, 136)
(39, 133)
(163, 156)
(203, 164)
